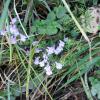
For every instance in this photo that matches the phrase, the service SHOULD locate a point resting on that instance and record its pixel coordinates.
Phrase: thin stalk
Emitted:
(46, 5)
(85, 84)
(42, 83)
(8, 90)
(20, 20)
(1, 51)
(22, 61)
(10, 45)
(78, 25)
(29, 71)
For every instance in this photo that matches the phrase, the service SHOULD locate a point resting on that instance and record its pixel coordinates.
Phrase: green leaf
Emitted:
(56, 25)
(42, 30)
(65, 19)
(95, 2)
(81, 1)
(51, 30)
(74, 33)
(60, 11)
(39, 23)
(51, 16)
(42, 44)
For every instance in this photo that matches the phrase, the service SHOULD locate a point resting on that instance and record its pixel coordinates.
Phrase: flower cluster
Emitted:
(14, 32)
(57, 50)
(45, 63)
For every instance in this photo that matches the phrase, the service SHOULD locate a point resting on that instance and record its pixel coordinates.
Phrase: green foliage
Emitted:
(55, 20)
(60, 11)
(51, 16)
(95, 89)
(44, 27)
(75, 56)
(81, 1)
(95, 2)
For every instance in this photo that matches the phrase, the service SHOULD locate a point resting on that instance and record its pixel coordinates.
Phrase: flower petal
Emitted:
(58, 65)
(36, 61)
(13, 40)
(48, 70)
(50, 50)
(42, 63)
(23, 37)
(61, 43)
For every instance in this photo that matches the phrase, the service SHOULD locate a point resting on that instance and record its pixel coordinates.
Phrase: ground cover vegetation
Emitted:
(49, 50)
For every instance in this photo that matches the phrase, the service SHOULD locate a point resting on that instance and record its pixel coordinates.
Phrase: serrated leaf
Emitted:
(56, 25)
(37, 22)
(60, 11)
(51, 30)
(51, 16)
(65, 19)
(42, 30)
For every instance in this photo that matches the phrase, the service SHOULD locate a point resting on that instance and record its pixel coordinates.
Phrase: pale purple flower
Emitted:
(23, 37)
(45, 57)
(35, 43)
(2, 32)
(37, 50)
(58, 50)
(48, 70)
(50, 50)
(42, 63)
(14, 30)
(13, 40)
(58, 65)
(36, 61)
(14, 20)
(27, 52)
(61, 43)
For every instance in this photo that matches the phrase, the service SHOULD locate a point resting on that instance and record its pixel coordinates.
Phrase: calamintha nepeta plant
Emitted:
(14, 35)
(45, 62)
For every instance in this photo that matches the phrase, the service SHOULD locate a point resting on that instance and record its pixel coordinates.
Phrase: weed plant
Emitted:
(45, 51)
